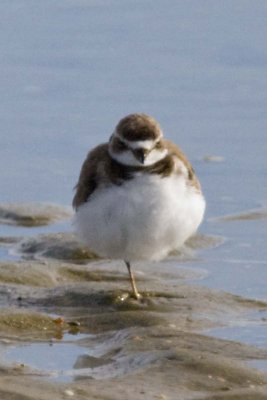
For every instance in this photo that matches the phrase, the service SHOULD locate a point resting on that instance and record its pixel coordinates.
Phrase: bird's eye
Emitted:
(158, 145)
(121, 146)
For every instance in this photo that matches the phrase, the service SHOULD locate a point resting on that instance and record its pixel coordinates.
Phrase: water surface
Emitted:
(72, 69)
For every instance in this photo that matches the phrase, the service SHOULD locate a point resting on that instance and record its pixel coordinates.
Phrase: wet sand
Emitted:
(55, 292)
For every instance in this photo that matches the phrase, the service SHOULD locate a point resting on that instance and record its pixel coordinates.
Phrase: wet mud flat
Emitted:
(69, 328)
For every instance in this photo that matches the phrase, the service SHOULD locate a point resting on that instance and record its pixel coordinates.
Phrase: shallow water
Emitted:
(71, 69)
(67, 359)
(72, 76)
(52, 359)
(251, 334)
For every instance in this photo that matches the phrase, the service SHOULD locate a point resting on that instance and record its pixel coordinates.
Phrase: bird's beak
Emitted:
(140, 155)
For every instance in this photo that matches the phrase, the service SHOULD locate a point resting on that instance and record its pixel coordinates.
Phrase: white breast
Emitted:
(143, 219)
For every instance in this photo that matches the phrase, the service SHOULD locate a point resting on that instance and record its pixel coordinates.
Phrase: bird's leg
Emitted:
(132, 280)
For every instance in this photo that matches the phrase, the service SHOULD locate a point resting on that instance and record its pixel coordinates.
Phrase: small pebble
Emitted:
(123, 297)
(74, 323)
(69, 392)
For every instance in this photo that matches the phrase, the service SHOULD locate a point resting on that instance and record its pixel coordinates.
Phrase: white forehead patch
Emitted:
(127, 157)
(137, 144)
(144, 144)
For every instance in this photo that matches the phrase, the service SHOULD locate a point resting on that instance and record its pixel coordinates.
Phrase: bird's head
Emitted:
(137, 141)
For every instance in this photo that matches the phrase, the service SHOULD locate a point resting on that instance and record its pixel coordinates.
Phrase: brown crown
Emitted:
(138, 127)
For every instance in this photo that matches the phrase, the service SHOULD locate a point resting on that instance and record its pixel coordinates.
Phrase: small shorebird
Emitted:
(137, 197)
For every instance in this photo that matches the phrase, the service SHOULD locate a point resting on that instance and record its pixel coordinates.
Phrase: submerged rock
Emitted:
(60, 246)
(250, 215)
(32, 214)
(201, 241)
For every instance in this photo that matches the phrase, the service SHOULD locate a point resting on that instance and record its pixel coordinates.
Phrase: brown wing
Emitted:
(176, 151)
(87, 182)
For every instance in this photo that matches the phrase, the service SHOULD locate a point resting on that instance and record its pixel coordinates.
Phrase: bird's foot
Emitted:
(136, 295)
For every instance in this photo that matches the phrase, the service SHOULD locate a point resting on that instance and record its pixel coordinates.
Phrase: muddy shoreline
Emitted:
(56, 293)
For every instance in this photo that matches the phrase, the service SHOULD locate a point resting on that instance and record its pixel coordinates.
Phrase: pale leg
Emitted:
(132, 280)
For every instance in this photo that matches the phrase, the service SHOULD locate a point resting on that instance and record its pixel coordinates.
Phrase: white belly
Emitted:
(143, 219)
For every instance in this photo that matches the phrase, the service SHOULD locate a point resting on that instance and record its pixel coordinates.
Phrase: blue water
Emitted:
(70, 69)
(49, 359)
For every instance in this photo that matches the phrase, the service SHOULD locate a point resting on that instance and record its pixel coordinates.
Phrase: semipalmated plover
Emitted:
(137, 197)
